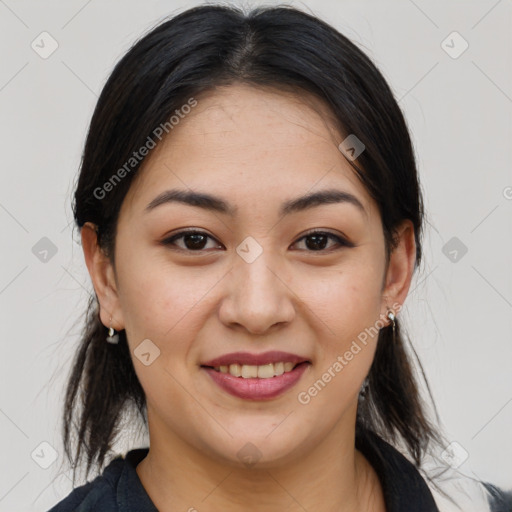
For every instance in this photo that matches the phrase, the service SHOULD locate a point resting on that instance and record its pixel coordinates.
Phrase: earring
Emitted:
(392, 317)
(363, 393)
(112, 337)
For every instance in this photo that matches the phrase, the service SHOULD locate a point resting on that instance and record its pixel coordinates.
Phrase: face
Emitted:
(251, 276)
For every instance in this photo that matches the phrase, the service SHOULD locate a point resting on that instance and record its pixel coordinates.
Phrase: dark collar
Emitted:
(131, 495)
(403, 486)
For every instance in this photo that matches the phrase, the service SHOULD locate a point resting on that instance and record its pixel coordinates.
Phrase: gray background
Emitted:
(459, 310)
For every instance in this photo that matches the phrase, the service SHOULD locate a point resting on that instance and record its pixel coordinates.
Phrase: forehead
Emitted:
(252, 144)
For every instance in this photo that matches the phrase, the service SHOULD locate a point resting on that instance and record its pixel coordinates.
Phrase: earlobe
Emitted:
(103, 278)
(401, 266)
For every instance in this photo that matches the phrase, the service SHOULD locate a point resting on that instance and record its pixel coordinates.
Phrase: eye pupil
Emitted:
(197, 240)
(315, 245)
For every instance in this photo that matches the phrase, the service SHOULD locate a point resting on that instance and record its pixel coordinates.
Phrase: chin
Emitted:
(264, 446)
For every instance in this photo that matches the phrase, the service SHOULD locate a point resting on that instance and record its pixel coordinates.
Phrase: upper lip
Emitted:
(246, 358)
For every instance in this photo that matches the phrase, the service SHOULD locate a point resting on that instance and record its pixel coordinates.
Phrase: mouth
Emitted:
(249, 371)
(240, 376)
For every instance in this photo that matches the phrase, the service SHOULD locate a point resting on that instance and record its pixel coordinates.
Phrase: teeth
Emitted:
(235, 370)
(265, 371)
(249, 371)
(288, 367)
(278, 369)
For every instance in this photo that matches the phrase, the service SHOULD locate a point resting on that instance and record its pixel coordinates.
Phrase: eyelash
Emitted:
(340, 240)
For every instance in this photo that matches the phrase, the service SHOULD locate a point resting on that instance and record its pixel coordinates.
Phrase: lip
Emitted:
(247, 358)
(256, 388)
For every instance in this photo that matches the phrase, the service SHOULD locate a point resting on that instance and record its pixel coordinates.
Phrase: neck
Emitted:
(334, 477)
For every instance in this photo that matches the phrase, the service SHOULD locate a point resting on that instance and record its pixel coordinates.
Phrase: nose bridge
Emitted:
(257, 277)
(257, 281)
(258, 297)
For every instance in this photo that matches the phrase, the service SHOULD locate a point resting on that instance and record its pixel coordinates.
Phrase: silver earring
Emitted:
(392, 317)
(112, 336)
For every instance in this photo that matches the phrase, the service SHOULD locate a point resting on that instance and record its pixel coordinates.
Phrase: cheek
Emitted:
(154, 294)
(346, 300)
(347, 304)
(163, 304)
(346, 345)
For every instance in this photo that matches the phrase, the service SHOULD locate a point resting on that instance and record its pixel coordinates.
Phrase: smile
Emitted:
(265, 371)
(251, 382)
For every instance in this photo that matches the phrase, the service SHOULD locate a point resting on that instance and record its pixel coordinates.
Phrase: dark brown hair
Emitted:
(186, 56)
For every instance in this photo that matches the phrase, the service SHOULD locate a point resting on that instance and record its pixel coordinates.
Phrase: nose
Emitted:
(257, 297)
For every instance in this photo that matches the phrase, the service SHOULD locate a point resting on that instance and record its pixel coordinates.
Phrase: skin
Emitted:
(255, 148)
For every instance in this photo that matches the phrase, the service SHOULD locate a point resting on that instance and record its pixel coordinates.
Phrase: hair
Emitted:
(191, 54)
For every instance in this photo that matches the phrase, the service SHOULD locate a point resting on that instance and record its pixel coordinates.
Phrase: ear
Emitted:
(400, 269)
(103, 278)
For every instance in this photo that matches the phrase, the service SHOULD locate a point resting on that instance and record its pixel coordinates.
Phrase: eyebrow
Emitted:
(217, 204)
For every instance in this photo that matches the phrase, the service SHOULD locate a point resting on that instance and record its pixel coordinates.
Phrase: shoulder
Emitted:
(499, 500)
(463, 493)
(403, 486)
(408, 487)
(97, 495)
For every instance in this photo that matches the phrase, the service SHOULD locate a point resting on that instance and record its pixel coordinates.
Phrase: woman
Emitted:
(251, 219)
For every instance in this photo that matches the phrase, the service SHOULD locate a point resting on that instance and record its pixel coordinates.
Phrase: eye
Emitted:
(195, 241)
(317, 240)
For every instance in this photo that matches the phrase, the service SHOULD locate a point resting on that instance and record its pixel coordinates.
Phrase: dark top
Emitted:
(118, 488)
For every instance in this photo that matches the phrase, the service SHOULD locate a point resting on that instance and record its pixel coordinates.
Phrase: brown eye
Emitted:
(192, 240)
(317, 241)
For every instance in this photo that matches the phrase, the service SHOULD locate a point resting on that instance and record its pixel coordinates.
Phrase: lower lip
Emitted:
(257, 389)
